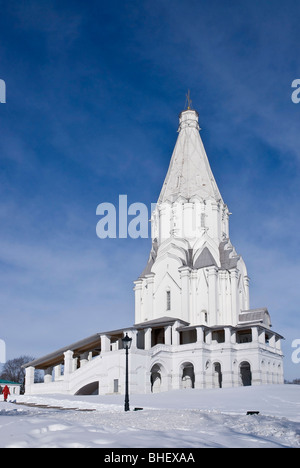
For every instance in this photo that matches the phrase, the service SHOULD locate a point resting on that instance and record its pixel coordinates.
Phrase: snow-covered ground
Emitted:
(178, 419)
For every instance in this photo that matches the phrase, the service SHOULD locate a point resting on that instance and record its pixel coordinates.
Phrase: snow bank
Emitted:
(185, 419)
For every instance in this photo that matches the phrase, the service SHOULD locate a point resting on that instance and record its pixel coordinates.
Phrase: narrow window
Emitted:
(203, 216)
(168, 300)
(116, 385)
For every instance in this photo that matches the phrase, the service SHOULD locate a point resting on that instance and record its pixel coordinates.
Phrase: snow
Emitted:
(177, 419)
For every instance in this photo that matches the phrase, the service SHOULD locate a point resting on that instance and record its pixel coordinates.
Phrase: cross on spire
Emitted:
(188, 102)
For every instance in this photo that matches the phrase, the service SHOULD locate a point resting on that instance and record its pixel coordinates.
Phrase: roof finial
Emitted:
(188, 102)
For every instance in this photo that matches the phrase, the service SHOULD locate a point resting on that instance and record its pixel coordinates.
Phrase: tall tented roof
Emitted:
(189, 172)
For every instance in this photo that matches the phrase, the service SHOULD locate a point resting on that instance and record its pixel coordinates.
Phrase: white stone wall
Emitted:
(190, 219)
(173, 362)
(210, 295)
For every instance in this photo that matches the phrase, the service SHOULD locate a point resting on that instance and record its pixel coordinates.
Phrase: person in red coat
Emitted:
(6, 392)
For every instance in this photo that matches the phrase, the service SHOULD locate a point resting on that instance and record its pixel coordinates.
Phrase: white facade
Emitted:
(193, 322)
(194, 272)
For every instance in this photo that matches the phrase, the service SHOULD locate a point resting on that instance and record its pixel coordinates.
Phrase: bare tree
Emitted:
(14, 372)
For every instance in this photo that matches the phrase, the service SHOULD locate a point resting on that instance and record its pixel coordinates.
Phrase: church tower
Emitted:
(193, 273)
(193, 326)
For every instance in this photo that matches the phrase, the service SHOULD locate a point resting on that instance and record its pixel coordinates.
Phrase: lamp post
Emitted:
(126, 345)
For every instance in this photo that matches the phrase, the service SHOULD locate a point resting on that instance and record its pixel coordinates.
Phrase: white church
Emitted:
(193, 324)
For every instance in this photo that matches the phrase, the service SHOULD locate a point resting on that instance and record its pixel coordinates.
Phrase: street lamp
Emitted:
(126, 345)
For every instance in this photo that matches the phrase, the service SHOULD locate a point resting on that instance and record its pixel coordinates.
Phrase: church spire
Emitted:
(189, 172)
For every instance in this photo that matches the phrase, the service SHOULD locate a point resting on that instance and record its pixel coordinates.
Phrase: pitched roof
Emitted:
(228, 256)
(255, 315)
(159, 322)
(54, 358)
(8, 382)
(205, 259)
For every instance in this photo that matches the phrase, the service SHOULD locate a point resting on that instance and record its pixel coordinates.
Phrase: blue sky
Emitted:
(94, 90)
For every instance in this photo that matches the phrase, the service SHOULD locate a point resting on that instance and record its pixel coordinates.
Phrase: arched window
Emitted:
(168, 300)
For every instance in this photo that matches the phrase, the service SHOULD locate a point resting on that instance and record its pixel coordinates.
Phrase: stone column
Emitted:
(138, 296)
(168, 335)
(147, 339)
(246, 282)
(224, 313)
(29, 376)
(234, 275)
(193, 306)
(150, 291)
(272, 341)
(227, 331)
(48, 375)
(185, 293)
(175, 334)
(227, 359)
(215, 220)
(255, 336)
(189, 221)
(57, 372)
(278, 344)
(212, 296)
(200, 335)
(75, 364)
(199, 374)
(262, 337)
(105, 343)
(68, 362)
(84, 359)
(208, 337)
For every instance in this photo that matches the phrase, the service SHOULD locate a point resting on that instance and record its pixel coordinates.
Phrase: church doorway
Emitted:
(245, 374)
(217, 377)
(188, 375)
(156, 378)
